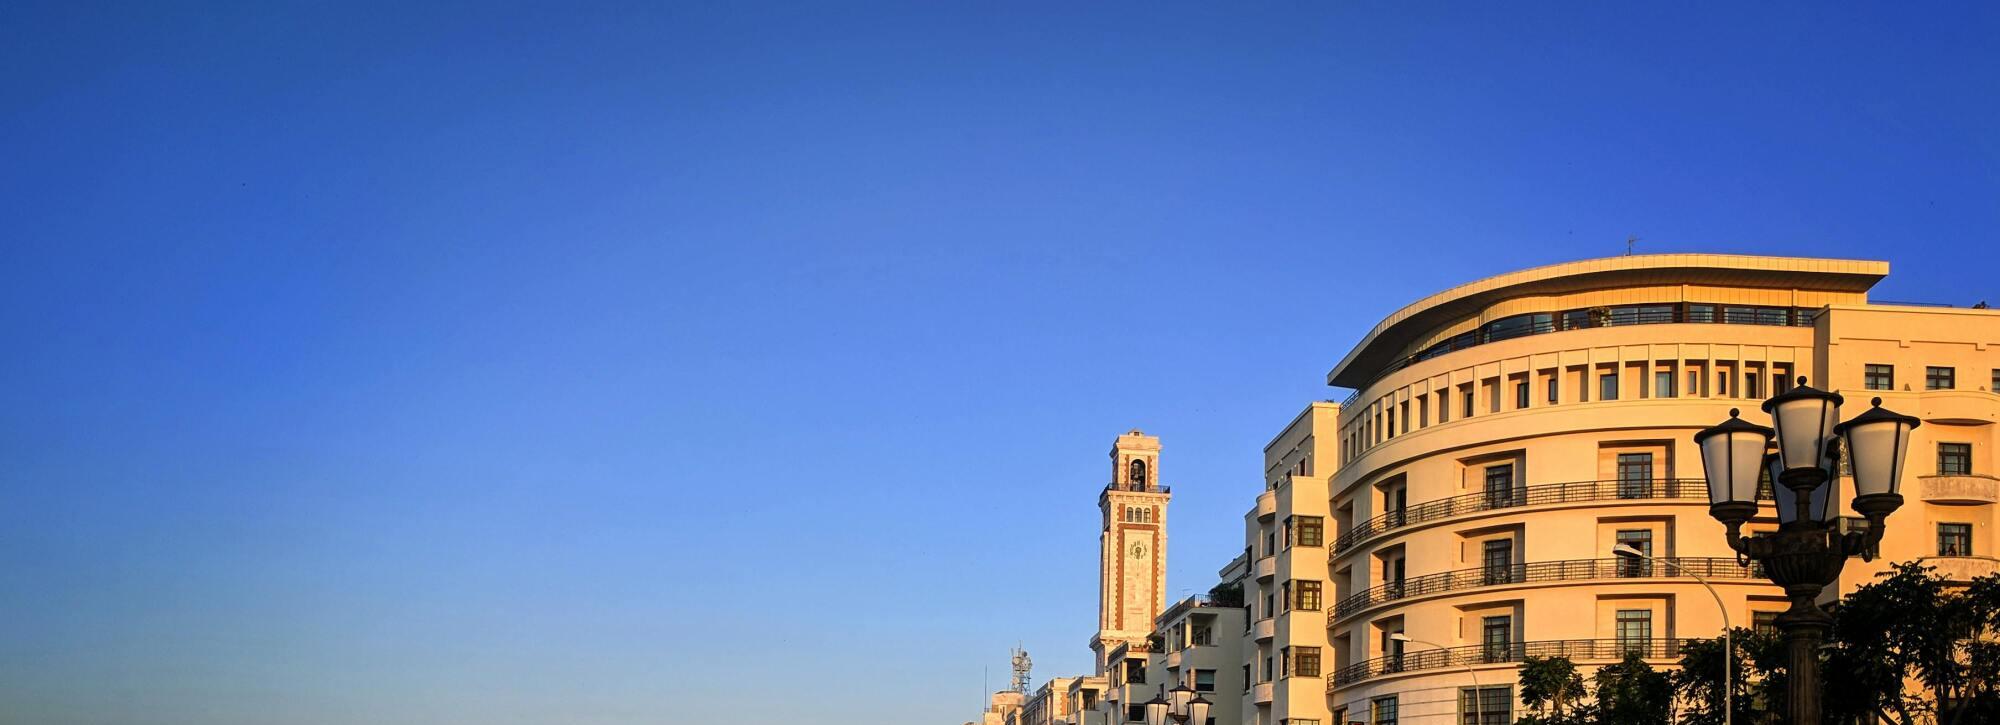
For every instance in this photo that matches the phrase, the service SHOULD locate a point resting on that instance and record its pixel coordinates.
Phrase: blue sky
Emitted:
(757, 364)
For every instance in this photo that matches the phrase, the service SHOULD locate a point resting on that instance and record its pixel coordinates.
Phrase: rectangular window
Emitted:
(1135, 713)
(1635, 475)
(1267, 669)
(1781, 383)
(1764, 624)
(1500, 486)
(1607, 386)
(1937, 378)
(1306, 595)
(1204, 680)
(1391, 414)
(1423, 412)
(1135, 671)
(1392, 572)
(1635, 629)
(1694, 382)
(1496, 635)
(1954, 459)
(1308, 530)
(1721, 384)
(1663, 384)
(1497, 558)
(1405, 406)
(1555, 387)
(1493, 396)
(1954, 539)
(1996, 381)
(1495, 706)
(1750, 384)
(1701, 313)
(1468, 403)
(1444, 408)
(1382, 710)
(1305, 661)
(1634, 566)
(1879, 377)
(1521, 394)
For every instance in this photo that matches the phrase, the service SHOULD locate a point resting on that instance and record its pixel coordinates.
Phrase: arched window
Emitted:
(1138, 477)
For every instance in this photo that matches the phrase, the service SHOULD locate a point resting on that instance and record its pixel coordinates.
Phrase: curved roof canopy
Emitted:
(1401, 328)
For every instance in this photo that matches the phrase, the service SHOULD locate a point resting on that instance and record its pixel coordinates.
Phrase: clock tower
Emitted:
(1132, 545)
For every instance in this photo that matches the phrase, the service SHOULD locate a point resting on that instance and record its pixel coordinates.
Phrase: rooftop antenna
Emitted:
(1629, 241)
(1021, 667)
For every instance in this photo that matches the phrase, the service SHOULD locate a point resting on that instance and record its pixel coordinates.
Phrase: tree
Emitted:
(1550, 685)
(1699, 681)
(1633, 693)
(1913, 624)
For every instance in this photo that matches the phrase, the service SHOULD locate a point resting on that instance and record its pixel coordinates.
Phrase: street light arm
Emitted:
(1728, 636)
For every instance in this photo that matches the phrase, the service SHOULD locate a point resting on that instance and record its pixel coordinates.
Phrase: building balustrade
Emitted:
(1542, 323)
(1615, 490)
(1503, 653)
(1541, 571)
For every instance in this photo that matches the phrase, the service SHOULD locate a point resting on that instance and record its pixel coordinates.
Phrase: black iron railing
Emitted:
(1670, 488)
(1541, 571)
(1498, 653)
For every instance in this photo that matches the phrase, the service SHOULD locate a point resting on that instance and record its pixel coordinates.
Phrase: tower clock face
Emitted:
(1138, 551)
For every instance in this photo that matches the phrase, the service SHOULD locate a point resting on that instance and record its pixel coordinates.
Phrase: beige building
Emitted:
(1285, 540)
(1505, 434)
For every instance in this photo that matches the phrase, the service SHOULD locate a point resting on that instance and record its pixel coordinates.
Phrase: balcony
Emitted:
(1578, 650)
(1543, 571)
(1962, 569)
(1267, 567)
(1548, 493)
(1960, 489)
(1264, 629)
(1261, 694)
(1267, 504)
(1137, 488)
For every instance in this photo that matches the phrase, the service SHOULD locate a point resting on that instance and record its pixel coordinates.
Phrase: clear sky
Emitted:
(725, 363)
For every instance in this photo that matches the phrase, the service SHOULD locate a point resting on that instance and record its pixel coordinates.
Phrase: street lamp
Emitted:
(1181, 706)
(1728, 648)
(1478, 716)
(1807, 551)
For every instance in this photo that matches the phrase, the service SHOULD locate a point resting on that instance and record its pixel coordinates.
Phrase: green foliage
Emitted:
(1633, 693)
(1699, 681)
(1550, 686)
(1226, 595)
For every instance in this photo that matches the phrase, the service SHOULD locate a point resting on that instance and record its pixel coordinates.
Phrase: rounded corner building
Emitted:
(1504, 436)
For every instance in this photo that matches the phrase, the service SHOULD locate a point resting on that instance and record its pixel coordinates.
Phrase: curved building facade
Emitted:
(1506, 434)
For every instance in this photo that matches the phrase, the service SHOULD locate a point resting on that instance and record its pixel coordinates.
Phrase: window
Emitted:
(1247, 680)
(1750, 384)
(1635, 475)
(1633, 566)
(1392, 422)
(1267, 669)
(1423, 412)
(1495, 706)
(1521, 394)
(1721, 383)
(1607, 386)
(1694, 382)
(1635, 629)
(1204, 680)
(1954, 459)
(1663, 384)
(1444, 410)
(1954, 540)
(1306, 595)
(1138, 475)
(1135, 671)
(1879, 377)
(1392, 572)
(1135, 713)
(1382, 710)
(1497, 558)
(1996, 381)
(1781, 383)
(1468, 403)
(1405, 406)
(1701, 313)
(1308, 531)
(1305, 661)
(1270, 543)
(1937, 378)
(1554, 389)
(1270, 605)
(1500, 486)
(1496, 635)
(1493, 396)
(1764, 624)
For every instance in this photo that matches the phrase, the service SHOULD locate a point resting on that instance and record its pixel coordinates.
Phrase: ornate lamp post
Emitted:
(1181, 706)
(1807, 551)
